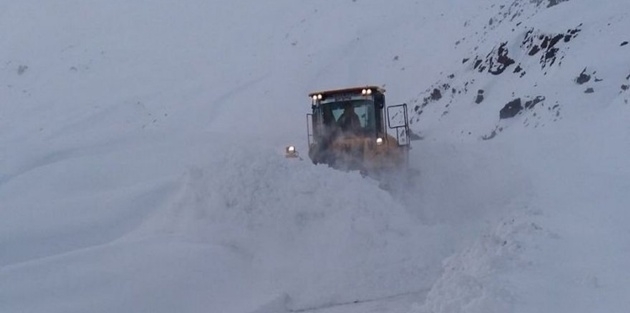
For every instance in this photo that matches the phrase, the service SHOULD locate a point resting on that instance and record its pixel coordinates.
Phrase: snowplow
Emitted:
(353, 129)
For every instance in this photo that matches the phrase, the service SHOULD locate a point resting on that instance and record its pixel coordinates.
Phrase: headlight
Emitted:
(379, 141)
(291, 152)
(366, 92)
(315, 98)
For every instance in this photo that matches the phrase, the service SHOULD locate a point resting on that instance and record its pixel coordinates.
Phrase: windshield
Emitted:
(364, 110)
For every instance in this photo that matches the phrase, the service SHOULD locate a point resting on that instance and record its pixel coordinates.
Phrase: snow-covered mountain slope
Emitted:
(141, 163)
(539, 60)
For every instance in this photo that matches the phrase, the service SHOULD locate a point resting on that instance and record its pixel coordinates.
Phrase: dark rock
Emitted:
(503, 56)
(511, 109)
(518, 69)
(555, 2)
(465, 60)
(556, 39)
(480, 97)
(477, 63)
(589, 90)
(532, 103)
(545, 43)
(548, 44)
(583, 78)
(624, 43)
(436, 95)
(488, 137)
(575, 31)
(497, 61)
(551, 55)
(625, 87)
(503, 60)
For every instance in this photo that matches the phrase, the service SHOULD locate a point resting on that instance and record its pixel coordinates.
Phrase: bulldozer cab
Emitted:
(351, 125)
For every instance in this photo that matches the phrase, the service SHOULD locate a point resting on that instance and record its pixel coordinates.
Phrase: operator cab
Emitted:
(347, 112)
(348, 129)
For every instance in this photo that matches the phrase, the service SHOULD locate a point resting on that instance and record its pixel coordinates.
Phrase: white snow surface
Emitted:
(142, 167)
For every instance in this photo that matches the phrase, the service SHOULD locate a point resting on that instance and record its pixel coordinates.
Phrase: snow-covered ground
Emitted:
(141, 165)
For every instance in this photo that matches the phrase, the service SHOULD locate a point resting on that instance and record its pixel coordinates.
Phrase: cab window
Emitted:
(363, 108)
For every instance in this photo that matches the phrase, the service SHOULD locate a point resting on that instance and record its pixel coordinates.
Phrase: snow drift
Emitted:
(141, 163)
